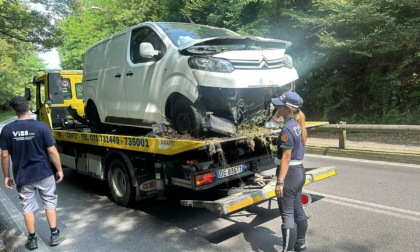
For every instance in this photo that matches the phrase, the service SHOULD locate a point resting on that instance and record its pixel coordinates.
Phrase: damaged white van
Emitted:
(182, 74)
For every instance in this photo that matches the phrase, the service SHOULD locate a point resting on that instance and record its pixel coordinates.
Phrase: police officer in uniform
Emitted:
(290, 172)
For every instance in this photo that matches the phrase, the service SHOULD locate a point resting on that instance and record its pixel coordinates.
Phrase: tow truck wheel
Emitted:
(119, 182)
(186, 117)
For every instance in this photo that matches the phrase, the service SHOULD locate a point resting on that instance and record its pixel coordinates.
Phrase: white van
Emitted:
(179, 73)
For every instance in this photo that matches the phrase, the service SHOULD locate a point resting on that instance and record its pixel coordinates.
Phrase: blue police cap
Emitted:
(291, 99)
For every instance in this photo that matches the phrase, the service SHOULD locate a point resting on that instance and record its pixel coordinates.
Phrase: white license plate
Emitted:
(222, 173)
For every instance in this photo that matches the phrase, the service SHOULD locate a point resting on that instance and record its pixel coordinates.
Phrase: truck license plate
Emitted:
(222, 173)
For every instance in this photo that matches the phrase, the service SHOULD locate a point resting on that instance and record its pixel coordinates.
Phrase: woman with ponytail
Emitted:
(290, 172)
(301, 119)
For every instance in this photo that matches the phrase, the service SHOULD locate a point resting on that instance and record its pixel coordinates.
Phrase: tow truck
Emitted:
(63, 85)
(141, 165)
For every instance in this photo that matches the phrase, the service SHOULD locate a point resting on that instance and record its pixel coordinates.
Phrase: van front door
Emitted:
(140, 74)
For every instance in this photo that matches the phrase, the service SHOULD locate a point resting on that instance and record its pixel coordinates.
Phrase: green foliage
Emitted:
(6, 114)
(248, 17)
(81, 29)
(90, 21)
(57, 8)
(22, 32)
(359, 61)
(373, 48)
(20, 24)
(18, 63)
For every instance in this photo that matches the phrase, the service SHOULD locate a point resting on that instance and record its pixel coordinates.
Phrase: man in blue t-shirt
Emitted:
(31, 146)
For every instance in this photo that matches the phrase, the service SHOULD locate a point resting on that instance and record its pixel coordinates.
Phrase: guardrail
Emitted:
(342, 128)
(388, 155)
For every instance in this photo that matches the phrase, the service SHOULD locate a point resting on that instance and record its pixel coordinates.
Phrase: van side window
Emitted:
(141, 35)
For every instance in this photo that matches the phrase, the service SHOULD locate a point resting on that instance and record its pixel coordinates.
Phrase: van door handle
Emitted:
(118, 75)
(129, 74)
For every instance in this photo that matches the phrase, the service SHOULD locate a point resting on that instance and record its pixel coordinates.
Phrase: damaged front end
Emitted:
(237, 77)
(238, 105)
(230, 107)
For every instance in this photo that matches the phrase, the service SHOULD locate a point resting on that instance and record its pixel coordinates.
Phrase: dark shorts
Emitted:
(47, 191)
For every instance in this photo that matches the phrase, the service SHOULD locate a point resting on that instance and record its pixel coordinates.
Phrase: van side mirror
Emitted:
(28, 94)
(147, 50)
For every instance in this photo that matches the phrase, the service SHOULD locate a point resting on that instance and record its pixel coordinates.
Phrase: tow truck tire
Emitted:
(119, 183)
(186, 117)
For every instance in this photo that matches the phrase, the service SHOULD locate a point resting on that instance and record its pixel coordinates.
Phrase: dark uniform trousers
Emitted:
(290, 205)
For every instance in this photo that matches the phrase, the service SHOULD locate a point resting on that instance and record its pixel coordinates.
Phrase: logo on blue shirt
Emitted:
(298, 130)
(23, 135)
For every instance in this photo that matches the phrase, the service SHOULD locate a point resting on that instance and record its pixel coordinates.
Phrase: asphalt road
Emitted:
(367, 206)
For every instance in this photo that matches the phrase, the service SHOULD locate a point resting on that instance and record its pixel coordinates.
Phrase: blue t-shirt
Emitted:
(27, 142)
(291, 138)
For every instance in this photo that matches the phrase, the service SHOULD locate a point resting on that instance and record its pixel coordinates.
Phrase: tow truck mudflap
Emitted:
(246, 197)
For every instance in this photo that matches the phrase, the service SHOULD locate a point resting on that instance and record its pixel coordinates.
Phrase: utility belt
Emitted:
(292, 162)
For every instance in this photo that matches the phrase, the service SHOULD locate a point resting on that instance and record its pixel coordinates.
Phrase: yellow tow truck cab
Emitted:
(55, 92)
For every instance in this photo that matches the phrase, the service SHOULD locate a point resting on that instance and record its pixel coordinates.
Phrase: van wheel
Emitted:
(186, 117)
(119, 183)
(92, 115)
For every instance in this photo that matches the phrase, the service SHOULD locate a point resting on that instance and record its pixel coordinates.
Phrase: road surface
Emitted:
(367, 206)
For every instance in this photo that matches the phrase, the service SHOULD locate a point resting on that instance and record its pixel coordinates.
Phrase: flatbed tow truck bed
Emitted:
(260, 190)
(154, 145)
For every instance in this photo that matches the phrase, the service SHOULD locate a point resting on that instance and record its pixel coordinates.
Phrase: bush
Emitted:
(6, 114)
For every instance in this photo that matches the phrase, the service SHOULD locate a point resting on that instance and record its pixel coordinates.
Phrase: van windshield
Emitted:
(182, 33)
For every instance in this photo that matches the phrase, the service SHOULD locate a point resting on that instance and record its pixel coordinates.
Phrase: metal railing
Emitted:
(342, 128)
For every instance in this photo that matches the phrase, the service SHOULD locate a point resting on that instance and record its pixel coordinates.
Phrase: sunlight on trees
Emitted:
(359, 61)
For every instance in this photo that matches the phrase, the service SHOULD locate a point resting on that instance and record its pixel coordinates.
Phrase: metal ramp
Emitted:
(242, 198)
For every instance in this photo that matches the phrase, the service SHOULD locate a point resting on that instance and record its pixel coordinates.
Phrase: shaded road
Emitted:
(367, 206)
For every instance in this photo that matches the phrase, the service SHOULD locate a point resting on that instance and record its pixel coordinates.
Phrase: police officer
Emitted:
(290, 172)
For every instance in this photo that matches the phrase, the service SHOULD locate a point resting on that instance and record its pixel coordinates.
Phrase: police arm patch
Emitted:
(284, 138)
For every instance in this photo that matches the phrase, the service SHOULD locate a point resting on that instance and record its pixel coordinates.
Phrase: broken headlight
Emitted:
(210, 64)
(288, 61)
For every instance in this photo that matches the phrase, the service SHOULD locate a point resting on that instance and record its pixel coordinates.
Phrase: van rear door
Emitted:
(112, 86)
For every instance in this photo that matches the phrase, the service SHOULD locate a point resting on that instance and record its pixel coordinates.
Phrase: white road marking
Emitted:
(365, 161)
(372, 207)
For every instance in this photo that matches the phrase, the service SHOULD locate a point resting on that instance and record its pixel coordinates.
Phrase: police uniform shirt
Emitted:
(291, 138)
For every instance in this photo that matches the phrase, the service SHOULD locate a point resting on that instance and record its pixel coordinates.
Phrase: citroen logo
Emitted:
(263, 62)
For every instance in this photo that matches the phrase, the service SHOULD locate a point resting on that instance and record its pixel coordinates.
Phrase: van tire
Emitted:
(92, 115)
(119, 182)
(186, 117)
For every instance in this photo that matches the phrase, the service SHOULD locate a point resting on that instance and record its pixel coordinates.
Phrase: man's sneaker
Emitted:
(31, 243)
(56, 238)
